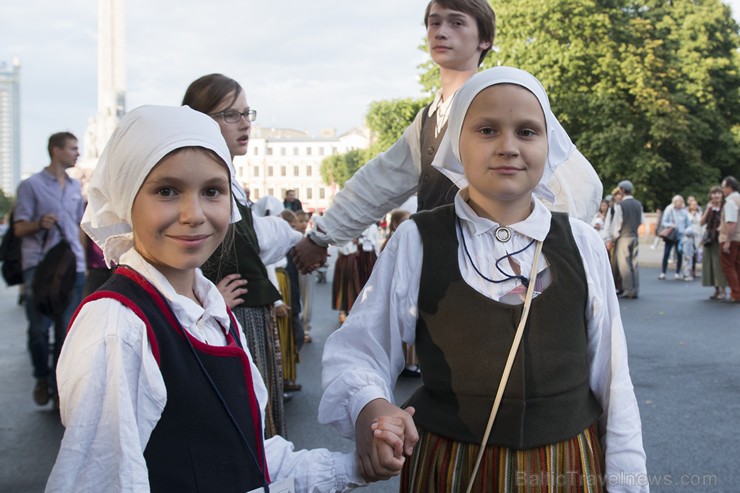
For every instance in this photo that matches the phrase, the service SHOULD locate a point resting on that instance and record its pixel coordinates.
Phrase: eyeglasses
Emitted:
(233, 116)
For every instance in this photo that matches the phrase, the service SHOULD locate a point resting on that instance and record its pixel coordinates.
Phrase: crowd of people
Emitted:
(693, 237)
(171, 372)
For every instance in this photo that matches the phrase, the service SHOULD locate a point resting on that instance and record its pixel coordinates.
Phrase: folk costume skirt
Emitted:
(286, 331)
(442, 465)
(346, 285)
(260, 330)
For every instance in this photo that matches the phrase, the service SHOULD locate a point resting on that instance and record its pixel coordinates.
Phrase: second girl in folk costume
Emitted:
(258, 242)
(457, 281)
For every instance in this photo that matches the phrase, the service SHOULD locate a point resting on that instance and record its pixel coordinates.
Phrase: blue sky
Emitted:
(304, 65)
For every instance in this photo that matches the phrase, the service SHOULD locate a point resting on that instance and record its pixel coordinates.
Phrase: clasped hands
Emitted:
(385, 436)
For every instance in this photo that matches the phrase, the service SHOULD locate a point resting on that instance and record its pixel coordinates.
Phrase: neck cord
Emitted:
(509, 277)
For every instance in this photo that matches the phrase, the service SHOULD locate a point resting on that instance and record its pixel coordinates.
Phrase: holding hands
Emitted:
(385, 435)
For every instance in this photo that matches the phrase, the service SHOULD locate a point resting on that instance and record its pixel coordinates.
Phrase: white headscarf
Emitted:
(560, 147)
(143, 137)
(268, 206)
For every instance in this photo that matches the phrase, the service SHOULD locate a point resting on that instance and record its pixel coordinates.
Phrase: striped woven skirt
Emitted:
(443, 465)
(260, 331)
(285, 329)
(346, 284)
(365, 263)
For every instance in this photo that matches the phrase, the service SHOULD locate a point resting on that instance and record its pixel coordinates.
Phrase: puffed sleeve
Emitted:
(363, 359)
(619, 425)
(111, 398)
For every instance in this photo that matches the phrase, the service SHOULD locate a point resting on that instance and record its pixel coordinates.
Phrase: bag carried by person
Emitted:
(668, 233)
(10, 254)
(54, 279)
(710, 237)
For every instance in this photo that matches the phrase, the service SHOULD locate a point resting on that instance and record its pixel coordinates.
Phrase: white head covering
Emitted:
(447, 159)
(268, 206)
(143, 137)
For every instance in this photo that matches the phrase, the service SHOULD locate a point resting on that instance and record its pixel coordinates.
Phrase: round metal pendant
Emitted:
(503, 234)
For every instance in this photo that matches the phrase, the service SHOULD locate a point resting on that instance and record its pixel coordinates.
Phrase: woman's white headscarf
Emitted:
(143, 137)
(268, 206)
(447, 159)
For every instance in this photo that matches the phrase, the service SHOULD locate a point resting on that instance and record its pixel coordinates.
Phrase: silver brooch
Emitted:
(503, 234)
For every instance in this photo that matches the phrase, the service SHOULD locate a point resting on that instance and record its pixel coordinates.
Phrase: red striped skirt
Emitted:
(443, 465)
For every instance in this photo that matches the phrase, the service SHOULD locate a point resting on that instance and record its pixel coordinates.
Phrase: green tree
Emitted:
(388, 119)
(338, 168)
(6, 203)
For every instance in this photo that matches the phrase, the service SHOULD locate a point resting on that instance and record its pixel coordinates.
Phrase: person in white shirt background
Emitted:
(157, 388)
(452, 280)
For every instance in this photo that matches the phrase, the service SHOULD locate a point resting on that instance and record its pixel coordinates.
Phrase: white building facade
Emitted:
(10, 126)
(284, 159)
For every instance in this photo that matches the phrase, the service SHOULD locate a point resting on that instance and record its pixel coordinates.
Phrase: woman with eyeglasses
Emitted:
(240, 273)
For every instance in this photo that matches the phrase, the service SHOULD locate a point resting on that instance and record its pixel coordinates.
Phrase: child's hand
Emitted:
(282, 311)
(231, 288)
(382, 457)
(390, 429)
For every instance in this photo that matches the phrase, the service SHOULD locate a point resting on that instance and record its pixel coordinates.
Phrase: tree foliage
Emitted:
(6, 203)
(339, 168)
(648, 90)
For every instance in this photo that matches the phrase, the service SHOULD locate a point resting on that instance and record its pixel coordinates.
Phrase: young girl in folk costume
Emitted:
(458, 281)
(157, 389)
(257, 242)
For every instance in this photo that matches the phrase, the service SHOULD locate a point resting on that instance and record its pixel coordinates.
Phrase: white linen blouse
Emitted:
(363, 359)
(112, 396)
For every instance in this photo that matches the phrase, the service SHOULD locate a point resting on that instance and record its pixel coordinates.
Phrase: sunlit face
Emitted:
(181, 212)
(453, 39)
(301, 223)
(235, 134)
(68, 154)
(503, 145)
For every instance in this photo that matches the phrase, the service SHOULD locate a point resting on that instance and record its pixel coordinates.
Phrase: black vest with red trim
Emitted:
(463, 340)
(195, 446)
(434, 189)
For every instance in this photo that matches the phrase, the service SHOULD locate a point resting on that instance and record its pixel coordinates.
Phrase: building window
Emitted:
(308, 151)
(255, 195)
(256, 171)
(333, 150)
(282, 151)
(309, 170)
(309, 193)
(271, 191)
(269, 171)
(322, 193)
(256, 151)
(269, 151)
(321, 151)
(296, 172)
(283, 171)
(295, 151)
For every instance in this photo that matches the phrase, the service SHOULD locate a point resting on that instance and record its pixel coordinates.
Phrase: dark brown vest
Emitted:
(434, 189)
(244, 258)
(463, 339)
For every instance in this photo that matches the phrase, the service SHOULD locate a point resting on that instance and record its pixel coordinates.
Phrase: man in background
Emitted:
(49, 204)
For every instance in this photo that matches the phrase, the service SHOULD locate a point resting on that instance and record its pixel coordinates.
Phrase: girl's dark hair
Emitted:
(206, 93)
